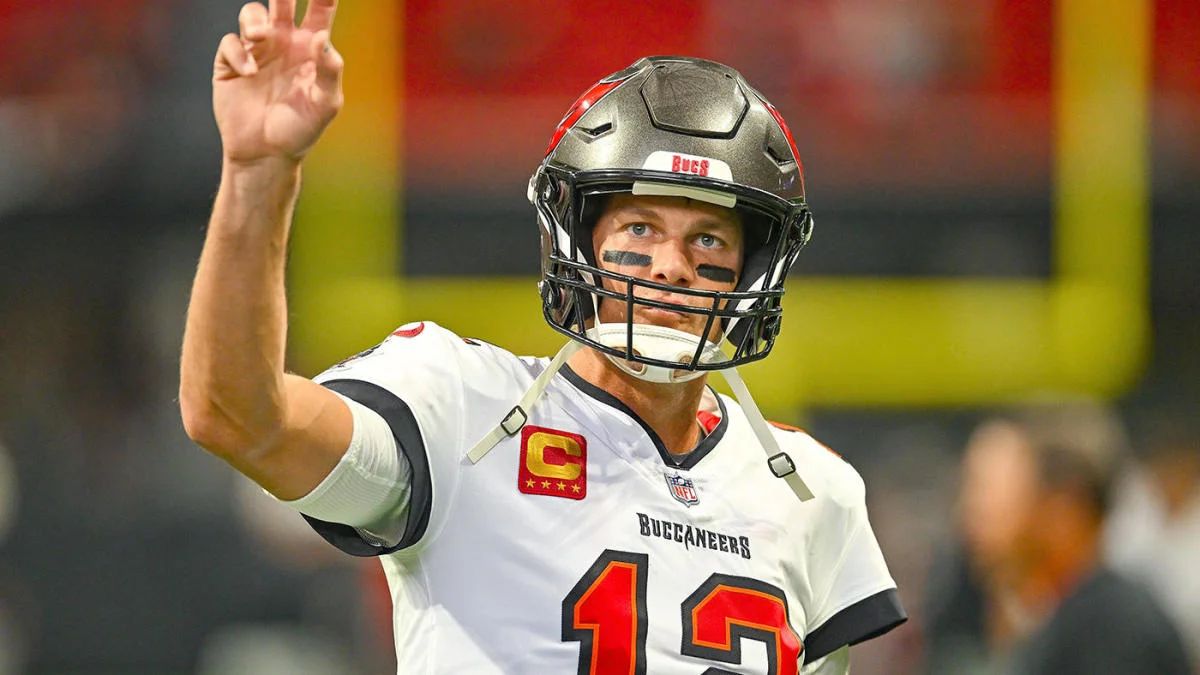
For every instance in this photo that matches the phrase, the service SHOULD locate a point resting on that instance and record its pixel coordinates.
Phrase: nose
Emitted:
(672, 264)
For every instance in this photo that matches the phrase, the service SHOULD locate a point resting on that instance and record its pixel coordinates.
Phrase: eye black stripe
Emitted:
(627, 258)
(715, 273)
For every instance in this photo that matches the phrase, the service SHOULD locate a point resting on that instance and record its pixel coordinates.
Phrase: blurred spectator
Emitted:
(75, 77)
(1034, 495)
(1154, 532)
(995, 492)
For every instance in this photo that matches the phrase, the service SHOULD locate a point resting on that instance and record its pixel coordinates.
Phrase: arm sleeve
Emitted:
(412, 381)
(369, 487)
(859, 600)
(837, 663)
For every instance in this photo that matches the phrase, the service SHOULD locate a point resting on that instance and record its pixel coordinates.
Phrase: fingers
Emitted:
(233, 60)
(283, 12)
(254, 24)
(320, 15)
(253, 21)
(327, 88)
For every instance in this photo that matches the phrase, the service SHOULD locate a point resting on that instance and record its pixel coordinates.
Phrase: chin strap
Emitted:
(656, 342)
(779, 462)
(519, 415)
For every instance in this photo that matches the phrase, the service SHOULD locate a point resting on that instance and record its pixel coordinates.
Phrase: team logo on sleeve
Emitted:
(410, 330)
(553, 463)
(682, 489)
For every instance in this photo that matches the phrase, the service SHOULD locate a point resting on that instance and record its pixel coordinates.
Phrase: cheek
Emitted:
(611, 311)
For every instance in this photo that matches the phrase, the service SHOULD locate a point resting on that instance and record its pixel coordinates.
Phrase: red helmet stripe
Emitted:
(578, 108)
(787, 133)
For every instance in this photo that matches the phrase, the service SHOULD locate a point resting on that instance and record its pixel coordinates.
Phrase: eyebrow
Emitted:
(649, 214)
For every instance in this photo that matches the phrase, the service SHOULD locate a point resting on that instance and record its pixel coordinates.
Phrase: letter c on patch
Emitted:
(541, 465)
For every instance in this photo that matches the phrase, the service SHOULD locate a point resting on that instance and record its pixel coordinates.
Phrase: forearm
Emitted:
(231, 380)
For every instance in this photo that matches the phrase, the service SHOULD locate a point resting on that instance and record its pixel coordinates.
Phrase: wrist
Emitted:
(260, 176)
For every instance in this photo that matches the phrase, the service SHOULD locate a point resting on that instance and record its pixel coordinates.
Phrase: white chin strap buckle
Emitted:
(656, 342)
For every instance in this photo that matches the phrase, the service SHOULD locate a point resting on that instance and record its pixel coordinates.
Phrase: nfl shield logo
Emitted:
(682, 489)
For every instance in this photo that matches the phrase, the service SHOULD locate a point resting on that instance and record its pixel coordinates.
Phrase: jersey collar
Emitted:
(709, 402)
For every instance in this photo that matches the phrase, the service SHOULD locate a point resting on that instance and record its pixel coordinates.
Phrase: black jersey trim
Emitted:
(865, 619)
(689, 461)
(403, 423)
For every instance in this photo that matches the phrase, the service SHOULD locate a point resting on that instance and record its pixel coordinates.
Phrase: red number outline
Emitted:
(784, 646)
(729, 600)
(576, 629)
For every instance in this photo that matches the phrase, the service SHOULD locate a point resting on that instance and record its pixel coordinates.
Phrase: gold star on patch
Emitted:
(546, 484)
(529, 483)
(575, 488)
(561, 486)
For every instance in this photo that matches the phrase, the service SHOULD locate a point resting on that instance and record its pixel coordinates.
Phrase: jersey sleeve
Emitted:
(413, 380)
(837, 663)
(856, 597)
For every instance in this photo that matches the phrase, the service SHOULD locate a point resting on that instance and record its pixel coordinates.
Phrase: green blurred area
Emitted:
(851, 342)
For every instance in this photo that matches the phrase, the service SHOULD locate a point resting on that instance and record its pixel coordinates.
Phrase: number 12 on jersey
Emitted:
(606, 613)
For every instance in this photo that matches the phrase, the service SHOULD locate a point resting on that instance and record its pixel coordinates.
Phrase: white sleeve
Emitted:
(369, 487)
(413, 380)
(855, 596)
(837, 663)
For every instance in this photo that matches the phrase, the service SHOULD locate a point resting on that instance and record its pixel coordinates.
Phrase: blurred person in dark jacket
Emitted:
(1154, 531)
(1035, 493)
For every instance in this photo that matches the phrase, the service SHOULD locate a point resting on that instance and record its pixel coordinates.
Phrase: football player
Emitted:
(603, 511)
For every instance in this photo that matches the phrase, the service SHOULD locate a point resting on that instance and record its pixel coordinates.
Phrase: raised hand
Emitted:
(275, 86)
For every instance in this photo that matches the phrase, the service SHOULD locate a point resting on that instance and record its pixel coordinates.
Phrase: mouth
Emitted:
(669, 318)
(663, 314)
(674, 299)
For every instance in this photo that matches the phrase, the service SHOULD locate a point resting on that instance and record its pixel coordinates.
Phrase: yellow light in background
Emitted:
(346, 231)
(892, 342)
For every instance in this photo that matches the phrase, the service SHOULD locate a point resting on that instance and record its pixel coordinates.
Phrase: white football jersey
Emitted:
(578, 545)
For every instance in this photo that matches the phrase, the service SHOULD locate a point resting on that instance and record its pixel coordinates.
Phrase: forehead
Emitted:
(665, 208)
(998, 457)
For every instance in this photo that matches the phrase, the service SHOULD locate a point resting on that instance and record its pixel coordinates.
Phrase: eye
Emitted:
(638, 229)
(709, 241)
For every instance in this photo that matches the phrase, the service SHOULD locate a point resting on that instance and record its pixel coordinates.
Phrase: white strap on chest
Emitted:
(779, 461)
(519, 415)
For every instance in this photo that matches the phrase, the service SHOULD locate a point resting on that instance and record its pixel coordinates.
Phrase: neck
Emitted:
(1072, 559)
(669, 409)
(1067, 549)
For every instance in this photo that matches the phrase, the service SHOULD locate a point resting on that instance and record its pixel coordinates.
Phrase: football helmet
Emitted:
(678, 126)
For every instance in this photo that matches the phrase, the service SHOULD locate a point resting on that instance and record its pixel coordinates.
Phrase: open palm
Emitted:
(276, 86)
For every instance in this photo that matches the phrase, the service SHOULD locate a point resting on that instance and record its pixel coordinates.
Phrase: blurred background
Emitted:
(1006, 204)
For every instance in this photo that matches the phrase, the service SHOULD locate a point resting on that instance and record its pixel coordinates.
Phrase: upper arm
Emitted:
(414, 381)
(316, 431)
